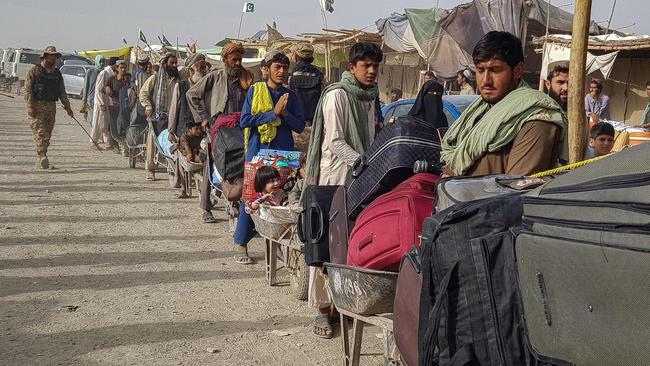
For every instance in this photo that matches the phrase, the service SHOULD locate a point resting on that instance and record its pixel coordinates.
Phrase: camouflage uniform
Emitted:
(42, 123)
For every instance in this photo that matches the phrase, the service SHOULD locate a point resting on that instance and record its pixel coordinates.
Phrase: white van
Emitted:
(23, 60)
(5, 69)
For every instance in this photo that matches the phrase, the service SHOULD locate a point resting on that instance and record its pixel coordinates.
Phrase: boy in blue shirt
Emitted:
(270, 115)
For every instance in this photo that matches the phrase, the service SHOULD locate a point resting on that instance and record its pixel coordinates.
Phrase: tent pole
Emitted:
(548, 20)
(577, 65)
(609, 22)
(240, 21)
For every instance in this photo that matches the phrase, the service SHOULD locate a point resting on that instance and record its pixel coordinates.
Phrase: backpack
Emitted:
(470, 309)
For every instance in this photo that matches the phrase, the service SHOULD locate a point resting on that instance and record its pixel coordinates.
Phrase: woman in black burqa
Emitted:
(428, 105)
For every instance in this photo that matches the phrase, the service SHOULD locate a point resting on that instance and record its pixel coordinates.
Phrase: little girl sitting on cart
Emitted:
(268, 188)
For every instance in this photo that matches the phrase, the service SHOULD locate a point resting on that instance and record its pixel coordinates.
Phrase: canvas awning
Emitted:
(557, 53)
(117, 52)
(443, 54)
(396, 32)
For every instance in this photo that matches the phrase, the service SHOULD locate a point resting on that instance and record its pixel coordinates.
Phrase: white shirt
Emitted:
(337, 157)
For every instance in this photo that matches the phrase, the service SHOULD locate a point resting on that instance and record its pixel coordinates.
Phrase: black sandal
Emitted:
(323, 327)
(208, 218)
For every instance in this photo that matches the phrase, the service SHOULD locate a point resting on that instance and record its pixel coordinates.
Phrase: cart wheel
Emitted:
(132, 161)
(299, 275)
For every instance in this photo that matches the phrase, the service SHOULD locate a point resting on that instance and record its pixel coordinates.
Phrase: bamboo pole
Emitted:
(577, 64)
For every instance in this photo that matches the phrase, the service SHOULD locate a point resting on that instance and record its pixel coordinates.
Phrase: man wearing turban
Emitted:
(221, 91)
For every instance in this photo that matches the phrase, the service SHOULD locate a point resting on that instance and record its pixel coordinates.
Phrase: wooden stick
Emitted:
(577, 65)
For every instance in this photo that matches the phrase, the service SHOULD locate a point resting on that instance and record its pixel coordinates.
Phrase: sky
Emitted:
(76, 25)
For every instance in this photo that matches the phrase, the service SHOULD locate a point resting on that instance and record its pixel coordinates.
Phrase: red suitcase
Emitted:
(391, 225)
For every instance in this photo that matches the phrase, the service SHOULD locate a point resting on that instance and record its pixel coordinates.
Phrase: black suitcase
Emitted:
(313, 223)
(229, 154)
(389, 161)
(406, 307)
(469, 304)
(583, 260)
(339, 227)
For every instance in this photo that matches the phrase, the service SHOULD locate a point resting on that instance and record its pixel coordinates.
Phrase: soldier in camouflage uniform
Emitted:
(43, 87)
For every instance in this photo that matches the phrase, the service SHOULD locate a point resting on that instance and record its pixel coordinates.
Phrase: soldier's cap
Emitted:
(304, 50)
(143, 59)
(51, 50)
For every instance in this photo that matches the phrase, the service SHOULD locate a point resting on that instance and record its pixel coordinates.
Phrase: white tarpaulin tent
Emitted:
(556, 53)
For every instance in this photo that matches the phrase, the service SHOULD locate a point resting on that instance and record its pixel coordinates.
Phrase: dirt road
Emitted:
(100, 267)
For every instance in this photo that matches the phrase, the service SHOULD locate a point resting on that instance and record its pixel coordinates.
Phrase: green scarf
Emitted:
(357, 135)
(467, 140)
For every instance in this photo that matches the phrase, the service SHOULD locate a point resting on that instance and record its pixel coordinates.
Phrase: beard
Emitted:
(556, 97)
(171, 71)
(234, 71)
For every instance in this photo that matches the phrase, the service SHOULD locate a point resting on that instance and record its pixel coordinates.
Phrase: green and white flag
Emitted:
(327, 5)
(248, 8)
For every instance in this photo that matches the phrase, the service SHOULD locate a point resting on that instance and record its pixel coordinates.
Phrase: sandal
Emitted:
(243, 258)
(323, 327)
(208, 218)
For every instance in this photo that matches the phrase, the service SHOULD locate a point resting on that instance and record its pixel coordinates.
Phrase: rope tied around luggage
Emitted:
(565, 168)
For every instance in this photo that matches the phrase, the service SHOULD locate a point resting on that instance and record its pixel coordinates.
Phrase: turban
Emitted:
(191, 60)
(143, 59)
(231, 48)
(304, 50)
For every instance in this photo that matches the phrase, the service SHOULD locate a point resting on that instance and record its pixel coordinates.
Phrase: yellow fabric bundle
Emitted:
(262, 103)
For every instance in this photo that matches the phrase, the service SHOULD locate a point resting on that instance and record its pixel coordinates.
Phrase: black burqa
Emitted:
(428, 105)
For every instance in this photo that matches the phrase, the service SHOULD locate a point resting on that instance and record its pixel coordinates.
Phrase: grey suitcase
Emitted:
(451, 191)
(583, 262)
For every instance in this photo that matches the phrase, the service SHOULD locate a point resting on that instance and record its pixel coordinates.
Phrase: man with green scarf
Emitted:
(345, 119)
(88, 96)
(512, 129)
(343, 128)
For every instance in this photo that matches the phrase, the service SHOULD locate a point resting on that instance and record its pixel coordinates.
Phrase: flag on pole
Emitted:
(143, 38)
(165, 41)
(327, 5)
(248, 8)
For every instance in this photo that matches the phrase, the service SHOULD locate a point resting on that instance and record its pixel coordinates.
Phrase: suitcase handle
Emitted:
(300, 227)
(316, 212)
(359, 166)
(366, 241)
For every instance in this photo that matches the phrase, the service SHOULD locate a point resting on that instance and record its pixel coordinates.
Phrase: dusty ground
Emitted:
(152, 285)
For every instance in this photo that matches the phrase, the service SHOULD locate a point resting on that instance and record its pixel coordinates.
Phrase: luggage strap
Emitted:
(463, 356)
(431, 335)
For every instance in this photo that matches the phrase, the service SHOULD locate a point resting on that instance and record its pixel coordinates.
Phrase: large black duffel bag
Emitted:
(389, 161)
(583, 260)
(313, 223)
(470, 305)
